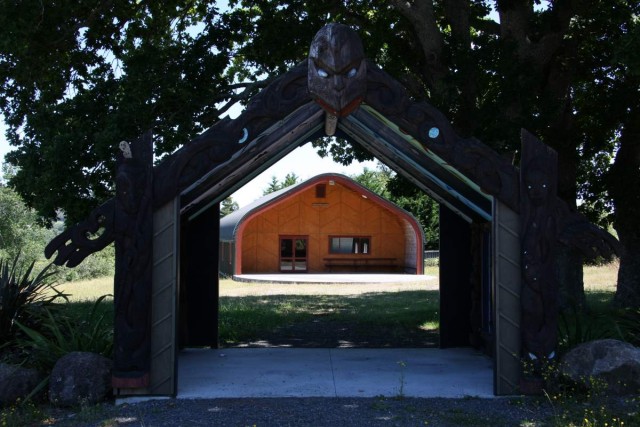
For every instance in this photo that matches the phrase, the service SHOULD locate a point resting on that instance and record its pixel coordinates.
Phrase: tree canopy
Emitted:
(20, 234)
(275, 185)
(228, 206)
(385, 183)
(77, 78)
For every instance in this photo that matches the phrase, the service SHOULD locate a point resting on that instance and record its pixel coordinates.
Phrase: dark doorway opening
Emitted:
(293, 254)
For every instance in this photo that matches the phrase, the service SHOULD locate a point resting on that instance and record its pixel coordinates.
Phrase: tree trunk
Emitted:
(562, 136)
(624, 182)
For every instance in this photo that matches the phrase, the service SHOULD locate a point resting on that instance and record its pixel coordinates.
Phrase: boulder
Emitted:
(609, 364)
(80, 378)
(16, 383)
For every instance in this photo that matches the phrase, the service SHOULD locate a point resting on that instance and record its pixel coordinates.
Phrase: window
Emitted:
(349, 245)
(321, 191)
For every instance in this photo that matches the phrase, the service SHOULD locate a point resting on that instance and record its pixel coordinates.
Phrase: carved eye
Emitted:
(322, 73)
(352, 72)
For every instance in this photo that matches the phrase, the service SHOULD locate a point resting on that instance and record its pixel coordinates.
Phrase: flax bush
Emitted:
(22, 291)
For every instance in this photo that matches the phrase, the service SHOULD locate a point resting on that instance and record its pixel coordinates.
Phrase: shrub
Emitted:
(21, 293)
(576, 327)
(98, 264)
(62, 330)
(20, 232)
(629, 324)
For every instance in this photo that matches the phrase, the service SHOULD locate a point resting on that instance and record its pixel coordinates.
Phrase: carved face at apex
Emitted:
(337, 70)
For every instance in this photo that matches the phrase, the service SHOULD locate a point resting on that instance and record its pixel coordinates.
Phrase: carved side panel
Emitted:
(133, 231)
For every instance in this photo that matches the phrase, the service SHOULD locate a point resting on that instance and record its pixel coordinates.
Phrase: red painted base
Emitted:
(132, 382)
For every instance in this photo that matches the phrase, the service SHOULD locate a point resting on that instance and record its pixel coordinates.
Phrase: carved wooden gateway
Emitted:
(499, 224)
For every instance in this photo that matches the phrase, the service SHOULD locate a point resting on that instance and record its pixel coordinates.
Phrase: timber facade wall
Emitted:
(346, 210)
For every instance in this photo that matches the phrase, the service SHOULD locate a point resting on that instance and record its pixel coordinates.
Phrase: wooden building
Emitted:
(328, 223)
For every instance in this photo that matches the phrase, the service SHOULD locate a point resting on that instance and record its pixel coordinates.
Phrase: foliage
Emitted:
(579, 326)
(584, 404)
(21, 414)
(20, 232)
(598, 320)
(386, 183)
(60, 332)
(227, 206)
(275, 185)
(98, 264)
(21, 292)
(628, 321)
(376, 180)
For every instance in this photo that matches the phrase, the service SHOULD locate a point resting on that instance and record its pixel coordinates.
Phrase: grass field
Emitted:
(340, 314)
(596, 279)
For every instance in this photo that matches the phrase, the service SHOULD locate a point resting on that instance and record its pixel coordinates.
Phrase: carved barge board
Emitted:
(407, 168)
(267, 148)
(447, 185)
(494, 174)
(223, 140)
(74, 244)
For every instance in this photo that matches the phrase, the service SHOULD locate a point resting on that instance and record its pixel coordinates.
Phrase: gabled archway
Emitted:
(165, 219)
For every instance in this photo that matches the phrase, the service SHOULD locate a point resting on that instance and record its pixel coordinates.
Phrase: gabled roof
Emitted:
(230, 223)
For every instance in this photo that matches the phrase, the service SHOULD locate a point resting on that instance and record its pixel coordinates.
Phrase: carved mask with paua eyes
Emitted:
(337, 76)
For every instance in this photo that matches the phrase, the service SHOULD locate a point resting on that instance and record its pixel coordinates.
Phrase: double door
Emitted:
(293, 254)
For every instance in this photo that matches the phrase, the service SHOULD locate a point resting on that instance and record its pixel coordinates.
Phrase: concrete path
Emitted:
(335, 278)
(286, 372)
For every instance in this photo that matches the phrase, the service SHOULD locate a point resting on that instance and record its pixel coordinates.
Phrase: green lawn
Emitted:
(399, 313)
(399, 319)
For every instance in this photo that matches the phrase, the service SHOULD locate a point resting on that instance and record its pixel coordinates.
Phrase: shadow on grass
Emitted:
(371, 320)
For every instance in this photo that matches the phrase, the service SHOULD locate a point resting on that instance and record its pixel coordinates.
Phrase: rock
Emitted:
(611, 364)
(80, 378)
(16, 383)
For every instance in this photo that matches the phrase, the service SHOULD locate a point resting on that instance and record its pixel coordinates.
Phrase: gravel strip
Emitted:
(317, 412)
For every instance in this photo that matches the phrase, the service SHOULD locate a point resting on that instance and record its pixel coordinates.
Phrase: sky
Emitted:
(303, 161)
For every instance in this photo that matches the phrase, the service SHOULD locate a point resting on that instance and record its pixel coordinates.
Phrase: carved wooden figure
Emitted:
(547, 221)
(133, 232)
(337, 70)
(539, 295)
